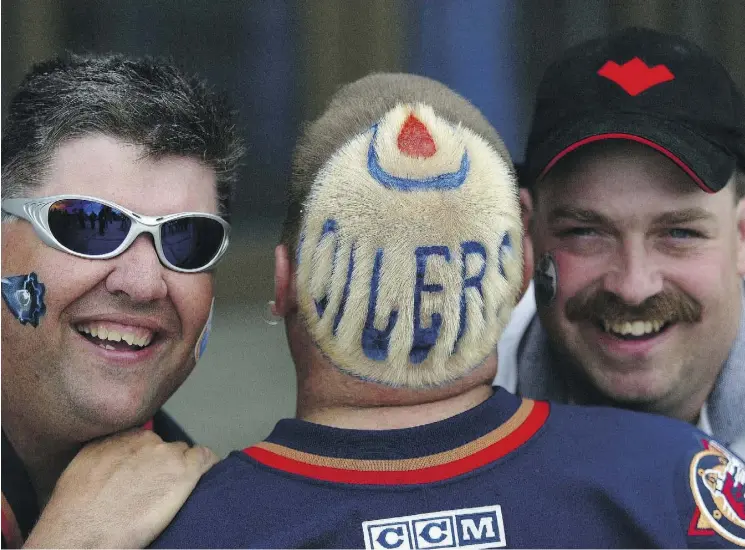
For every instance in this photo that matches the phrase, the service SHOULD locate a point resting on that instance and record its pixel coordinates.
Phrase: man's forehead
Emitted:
(617, 165)
(670, 215)
(648, 181)
(108, 168)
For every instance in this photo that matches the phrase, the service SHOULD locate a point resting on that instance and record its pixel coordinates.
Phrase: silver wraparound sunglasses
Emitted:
(88, 227)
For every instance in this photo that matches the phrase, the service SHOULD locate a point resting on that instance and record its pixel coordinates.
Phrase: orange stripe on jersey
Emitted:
(526, 421)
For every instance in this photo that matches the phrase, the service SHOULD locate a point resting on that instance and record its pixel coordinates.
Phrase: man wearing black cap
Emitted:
(634, 199)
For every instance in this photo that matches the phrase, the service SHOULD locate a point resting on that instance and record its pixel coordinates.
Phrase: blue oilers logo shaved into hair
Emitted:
(409, 265)
(414, 140)
(24, 296)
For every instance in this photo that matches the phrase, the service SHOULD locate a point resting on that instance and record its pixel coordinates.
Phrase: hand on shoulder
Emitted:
(120, 492)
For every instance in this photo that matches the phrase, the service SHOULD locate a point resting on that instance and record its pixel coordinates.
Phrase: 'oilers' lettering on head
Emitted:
(374, 341)
(407, 250)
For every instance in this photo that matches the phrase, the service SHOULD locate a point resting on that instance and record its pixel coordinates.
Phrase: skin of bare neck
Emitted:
(44, 455)
(326, 395)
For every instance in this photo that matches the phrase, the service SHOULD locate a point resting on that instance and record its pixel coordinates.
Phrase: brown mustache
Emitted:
(668, 306)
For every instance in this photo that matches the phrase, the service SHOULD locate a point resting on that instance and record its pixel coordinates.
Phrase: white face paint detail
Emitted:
(23, 297)
(466, 240)
(201, 344)
(545, 280)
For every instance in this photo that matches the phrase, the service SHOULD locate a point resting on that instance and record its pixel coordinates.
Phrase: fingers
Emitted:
(128, 441)
(201, 458)
(138, 441)
(122, 491)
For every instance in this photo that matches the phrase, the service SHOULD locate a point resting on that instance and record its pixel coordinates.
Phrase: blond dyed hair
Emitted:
(408, 266)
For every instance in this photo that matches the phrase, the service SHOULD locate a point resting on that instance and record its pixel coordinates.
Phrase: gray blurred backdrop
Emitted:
(281, 60)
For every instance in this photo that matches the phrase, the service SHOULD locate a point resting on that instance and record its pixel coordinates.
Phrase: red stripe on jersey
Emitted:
(694, 530)
(535, 420)
(10, 529)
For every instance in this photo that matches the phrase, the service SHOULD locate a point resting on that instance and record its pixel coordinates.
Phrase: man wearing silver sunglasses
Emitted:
(117, 175)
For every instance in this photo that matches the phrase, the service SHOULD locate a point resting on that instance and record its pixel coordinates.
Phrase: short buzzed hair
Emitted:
(405, 225)
(147, 102)
(359, 105)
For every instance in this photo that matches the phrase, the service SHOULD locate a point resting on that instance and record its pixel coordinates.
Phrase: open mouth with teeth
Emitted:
(635, 330)
(118, 339)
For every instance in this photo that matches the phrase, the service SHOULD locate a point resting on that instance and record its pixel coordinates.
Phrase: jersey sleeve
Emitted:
(711, 496)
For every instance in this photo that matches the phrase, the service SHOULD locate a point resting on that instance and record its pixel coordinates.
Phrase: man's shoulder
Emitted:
(219, 507)
(609, 441)
(239, 503)
(623, 426)
(693, 480)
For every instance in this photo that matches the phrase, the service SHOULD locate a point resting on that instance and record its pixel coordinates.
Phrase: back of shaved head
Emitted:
(353, 109)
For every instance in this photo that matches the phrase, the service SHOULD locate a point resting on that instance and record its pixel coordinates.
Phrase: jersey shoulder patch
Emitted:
(717, 483)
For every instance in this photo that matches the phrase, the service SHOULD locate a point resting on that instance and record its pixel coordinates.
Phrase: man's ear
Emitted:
(526, 207)
(284, 282)
(740, 211)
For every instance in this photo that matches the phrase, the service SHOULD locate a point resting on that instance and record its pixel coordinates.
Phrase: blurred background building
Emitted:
(281, 60)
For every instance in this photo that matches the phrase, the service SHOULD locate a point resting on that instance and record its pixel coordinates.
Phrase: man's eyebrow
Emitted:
(577, 214)
(687, 215)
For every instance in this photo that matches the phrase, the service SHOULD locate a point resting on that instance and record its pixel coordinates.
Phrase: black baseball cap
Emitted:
(644, 86)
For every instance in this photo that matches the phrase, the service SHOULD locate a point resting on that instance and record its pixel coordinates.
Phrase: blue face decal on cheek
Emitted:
(24, 296)
(201, 346)
(546, 279)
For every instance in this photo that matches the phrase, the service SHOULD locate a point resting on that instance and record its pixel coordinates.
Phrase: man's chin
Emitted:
(631, 389)
(106, 417)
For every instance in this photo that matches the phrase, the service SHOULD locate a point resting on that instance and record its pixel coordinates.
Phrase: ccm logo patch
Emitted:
(466, 528)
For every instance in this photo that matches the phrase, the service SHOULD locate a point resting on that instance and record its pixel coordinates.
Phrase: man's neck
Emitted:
(688, 410)
(43, 457)
(581, 392)
(390, 417)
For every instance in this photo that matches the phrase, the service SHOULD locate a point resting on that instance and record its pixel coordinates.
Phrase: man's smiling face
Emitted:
(649, 270)
(118, 335)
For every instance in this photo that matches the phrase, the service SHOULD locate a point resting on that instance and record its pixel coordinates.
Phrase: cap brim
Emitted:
(706, 163)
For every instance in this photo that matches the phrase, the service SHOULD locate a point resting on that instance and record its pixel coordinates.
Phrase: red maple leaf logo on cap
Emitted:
(635, 76)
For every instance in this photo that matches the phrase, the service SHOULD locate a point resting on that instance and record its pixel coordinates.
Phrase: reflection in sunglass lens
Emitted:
(88, 227)
(191, 242)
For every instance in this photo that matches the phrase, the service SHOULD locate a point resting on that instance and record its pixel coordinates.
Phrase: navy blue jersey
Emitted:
(510, 472)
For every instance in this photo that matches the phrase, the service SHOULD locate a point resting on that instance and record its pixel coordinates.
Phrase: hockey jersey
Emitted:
(510, 473)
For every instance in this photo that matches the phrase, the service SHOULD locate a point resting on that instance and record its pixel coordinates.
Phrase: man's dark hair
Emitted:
(146, 102)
